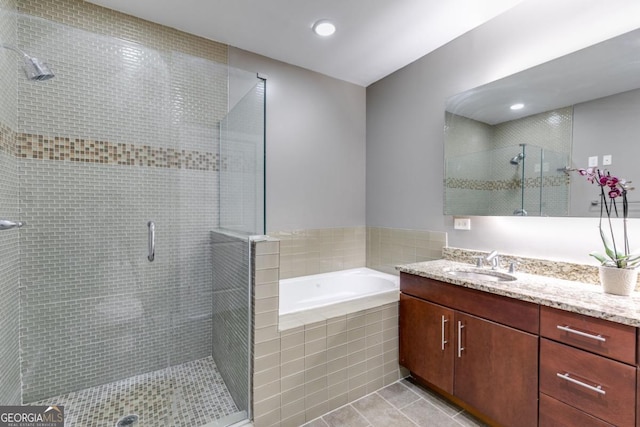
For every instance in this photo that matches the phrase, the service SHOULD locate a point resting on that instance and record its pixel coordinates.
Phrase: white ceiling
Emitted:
(373, 39)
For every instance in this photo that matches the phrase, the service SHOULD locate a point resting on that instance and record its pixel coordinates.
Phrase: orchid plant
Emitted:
(612, 191)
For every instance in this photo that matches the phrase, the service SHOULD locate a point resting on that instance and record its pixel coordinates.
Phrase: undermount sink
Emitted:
(479, 274)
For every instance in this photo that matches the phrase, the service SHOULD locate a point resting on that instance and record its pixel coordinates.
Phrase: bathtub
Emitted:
(320, 296)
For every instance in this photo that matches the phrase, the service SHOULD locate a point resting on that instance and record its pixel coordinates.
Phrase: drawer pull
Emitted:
(444, 341)
(597, 389)
(582, 334)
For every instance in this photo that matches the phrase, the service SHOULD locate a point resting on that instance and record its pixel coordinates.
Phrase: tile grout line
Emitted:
(391, 404)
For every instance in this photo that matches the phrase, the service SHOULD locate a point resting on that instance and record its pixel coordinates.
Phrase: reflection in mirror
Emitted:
(503, 161)
(512, 168)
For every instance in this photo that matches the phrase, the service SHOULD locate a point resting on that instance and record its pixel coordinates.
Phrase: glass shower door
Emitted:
(123, 137)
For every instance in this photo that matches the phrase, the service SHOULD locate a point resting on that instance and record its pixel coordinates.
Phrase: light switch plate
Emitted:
(606, 160)
(593, 161)
(462, 223)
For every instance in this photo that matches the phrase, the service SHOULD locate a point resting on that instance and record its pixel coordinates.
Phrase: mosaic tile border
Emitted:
(42, 147)
(515, 184)
(557, 269)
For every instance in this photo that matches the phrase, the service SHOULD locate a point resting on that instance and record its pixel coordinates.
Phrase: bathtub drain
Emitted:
(127, 421)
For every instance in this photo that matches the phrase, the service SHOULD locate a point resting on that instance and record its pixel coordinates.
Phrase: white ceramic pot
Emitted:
(618, 281)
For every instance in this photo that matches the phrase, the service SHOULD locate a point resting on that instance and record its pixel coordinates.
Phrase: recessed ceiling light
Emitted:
(518, 106)
(324, 28)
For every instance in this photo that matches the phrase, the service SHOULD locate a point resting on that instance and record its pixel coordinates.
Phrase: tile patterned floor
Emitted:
(188, 395)
(401, 404)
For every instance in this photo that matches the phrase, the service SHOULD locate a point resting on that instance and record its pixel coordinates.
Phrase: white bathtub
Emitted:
(340, 288)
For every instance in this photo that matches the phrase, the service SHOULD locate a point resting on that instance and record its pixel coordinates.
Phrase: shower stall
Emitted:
(125, 169)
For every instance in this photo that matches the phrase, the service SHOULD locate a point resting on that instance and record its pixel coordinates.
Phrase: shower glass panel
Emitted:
(126, 133)
(242, 160)
(241, 192)
(554, 191)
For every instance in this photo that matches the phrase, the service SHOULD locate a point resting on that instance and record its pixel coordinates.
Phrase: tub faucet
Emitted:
(494, 259)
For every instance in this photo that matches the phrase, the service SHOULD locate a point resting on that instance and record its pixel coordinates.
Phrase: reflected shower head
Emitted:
(33, 67)
(517, 159)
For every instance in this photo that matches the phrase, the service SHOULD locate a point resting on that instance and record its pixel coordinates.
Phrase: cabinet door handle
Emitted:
(582, 334)
(460, 347)
(597, 389)
(444, 340)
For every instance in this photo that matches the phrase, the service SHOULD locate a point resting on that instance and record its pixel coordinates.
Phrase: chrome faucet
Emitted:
(494, 259)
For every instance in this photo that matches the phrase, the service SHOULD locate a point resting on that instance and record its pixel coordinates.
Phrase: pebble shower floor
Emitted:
(188, 395)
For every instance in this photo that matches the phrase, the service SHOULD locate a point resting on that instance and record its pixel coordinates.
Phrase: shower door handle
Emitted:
(8, 225)
(152, 241)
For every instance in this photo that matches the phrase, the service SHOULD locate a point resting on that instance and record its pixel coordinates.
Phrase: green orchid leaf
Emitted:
(599, 257)
(633, 256)
(607, 246)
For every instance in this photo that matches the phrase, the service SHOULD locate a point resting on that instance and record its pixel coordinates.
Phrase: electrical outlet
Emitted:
(593, 161)
(606, 160)
(462, 223)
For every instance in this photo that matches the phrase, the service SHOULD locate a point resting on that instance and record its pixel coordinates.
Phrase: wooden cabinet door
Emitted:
(496, 370)
(427, 341)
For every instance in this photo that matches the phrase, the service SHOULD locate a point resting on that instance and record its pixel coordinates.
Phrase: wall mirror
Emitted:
(511, 145)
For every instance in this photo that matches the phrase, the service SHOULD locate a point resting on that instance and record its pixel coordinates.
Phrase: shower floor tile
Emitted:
(192, 394)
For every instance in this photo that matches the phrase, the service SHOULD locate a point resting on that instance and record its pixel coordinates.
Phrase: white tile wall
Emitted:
(9, 244)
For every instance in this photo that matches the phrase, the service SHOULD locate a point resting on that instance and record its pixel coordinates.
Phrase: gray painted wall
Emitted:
(315, 146)
(405, 119)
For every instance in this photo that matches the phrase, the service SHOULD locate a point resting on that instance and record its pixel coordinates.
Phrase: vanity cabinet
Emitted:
(480, 348)
(587, 365)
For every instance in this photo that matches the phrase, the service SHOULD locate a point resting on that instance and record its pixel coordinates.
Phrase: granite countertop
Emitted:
(577, 297)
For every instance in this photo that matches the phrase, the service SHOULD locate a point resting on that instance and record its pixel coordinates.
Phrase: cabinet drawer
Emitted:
(594, 384)
(554, 413)
(599, 336)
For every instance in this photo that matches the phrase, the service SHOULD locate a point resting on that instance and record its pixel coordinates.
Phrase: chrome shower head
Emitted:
(517, 159)
(33, 67)
(37, 70)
